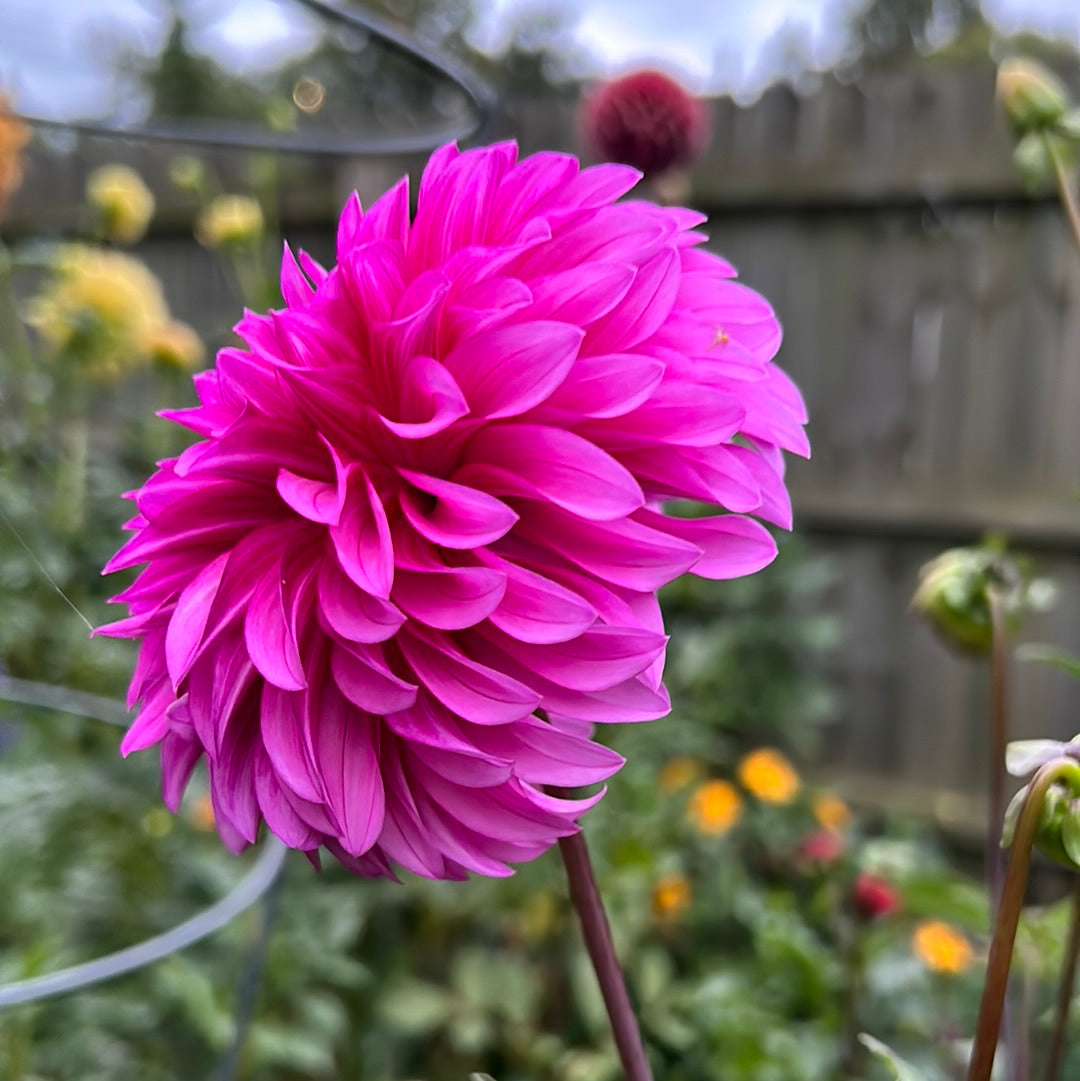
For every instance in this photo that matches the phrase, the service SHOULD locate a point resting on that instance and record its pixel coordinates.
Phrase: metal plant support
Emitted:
(258, 885)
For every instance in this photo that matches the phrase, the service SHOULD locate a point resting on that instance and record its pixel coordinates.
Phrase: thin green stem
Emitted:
(1065, 992)
(1068, 196)
(597, 934)
(1008, 917)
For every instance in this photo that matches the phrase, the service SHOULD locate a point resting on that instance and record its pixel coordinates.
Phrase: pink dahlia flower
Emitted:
(414, 555)
(645, 119)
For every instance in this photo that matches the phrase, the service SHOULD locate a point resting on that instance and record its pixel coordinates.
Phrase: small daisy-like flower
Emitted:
(671, 897)
(679, 773)
(941, 947)
(714, 808)
(768, 776)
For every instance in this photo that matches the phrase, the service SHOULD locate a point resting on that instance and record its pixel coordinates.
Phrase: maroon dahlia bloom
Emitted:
(646, 120)
(414, 554)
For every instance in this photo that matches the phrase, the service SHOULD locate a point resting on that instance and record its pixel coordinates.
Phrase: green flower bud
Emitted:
(1033, 97)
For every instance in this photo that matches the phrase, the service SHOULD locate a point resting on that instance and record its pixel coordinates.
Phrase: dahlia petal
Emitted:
(151, 725)
(732, 545)
(346, 752)
(363, 676)
(352, 215)
(508, 370)
(713, 474)
(215, 687)
(463, 517)
(232, 781)
(178, 759)
(596, 660)
(644, 308)
(598, 186)
(582, 294)
(534, 460)
(187, 627)
(472, 770)
(472, 690)
(607, 385)
(270, 637)
(523, 187)
(362, 538)
(430, 398)
(295, 288)
(230, 836)
(315, 500)
(281, 724)
(449, 598)
(536, 609)
(388, 217)
(624, 552)
(768, 471)
(281, 818)
(351, 613)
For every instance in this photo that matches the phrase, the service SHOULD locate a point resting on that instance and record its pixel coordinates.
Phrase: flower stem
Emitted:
(1007, 919)
(1065, 992)
(1068, 196)
(999, 737)
(597, 933)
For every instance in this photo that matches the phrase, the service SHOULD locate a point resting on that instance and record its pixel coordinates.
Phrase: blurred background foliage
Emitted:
(764, 922)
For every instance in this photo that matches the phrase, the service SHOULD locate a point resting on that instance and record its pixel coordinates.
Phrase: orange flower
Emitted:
(831, 812)
(678, 773)
(942, 948)
(670, 897)
(14, 135)
(714, 808)
(202, 813)
(769, 776)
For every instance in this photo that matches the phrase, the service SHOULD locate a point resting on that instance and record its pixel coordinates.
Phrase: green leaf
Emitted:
(902, 1071)
(1070, 835)
(1051, 655)
(415, 1007)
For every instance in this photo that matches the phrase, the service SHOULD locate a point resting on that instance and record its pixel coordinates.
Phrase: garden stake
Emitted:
(597, 934)
(1065, 991)
(1008, 916)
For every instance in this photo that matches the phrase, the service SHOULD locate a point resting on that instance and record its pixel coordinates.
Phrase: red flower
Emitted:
(646, 120)
(819, 849)
(873, 897)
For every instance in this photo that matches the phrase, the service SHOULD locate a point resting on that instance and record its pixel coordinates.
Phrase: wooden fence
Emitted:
(932, 318)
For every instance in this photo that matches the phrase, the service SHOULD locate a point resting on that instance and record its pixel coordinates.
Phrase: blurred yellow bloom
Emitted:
(14, 135)
(942, 948)
(714, 808)
(229, 219)
(176, 345)
(1033, 97)
(202, 813)
(670, 897)
(678, 773)
(123, 203)
(831, 812)
(769, 776)
(101, 308)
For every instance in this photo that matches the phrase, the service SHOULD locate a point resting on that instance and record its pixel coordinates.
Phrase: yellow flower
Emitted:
(123, 203)
(229, 219)
(831, 812)
(769, 776)
(101, 308)
(941, 948)
(14, 135)
(176, 345)
(714, 808)
(670, 897)
(678, 773)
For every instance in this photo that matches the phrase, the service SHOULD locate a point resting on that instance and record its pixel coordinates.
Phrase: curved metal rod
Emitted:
(257, 881)
(48, 696)
(251, 888)
(231, 136)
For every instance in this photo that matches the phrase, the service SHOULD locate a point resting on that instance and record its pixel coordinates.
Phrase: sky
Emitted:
(733, 46)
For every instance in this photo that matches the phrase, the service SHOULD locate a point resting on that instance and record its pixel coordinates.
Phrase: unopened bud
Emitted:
(1033, 97)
